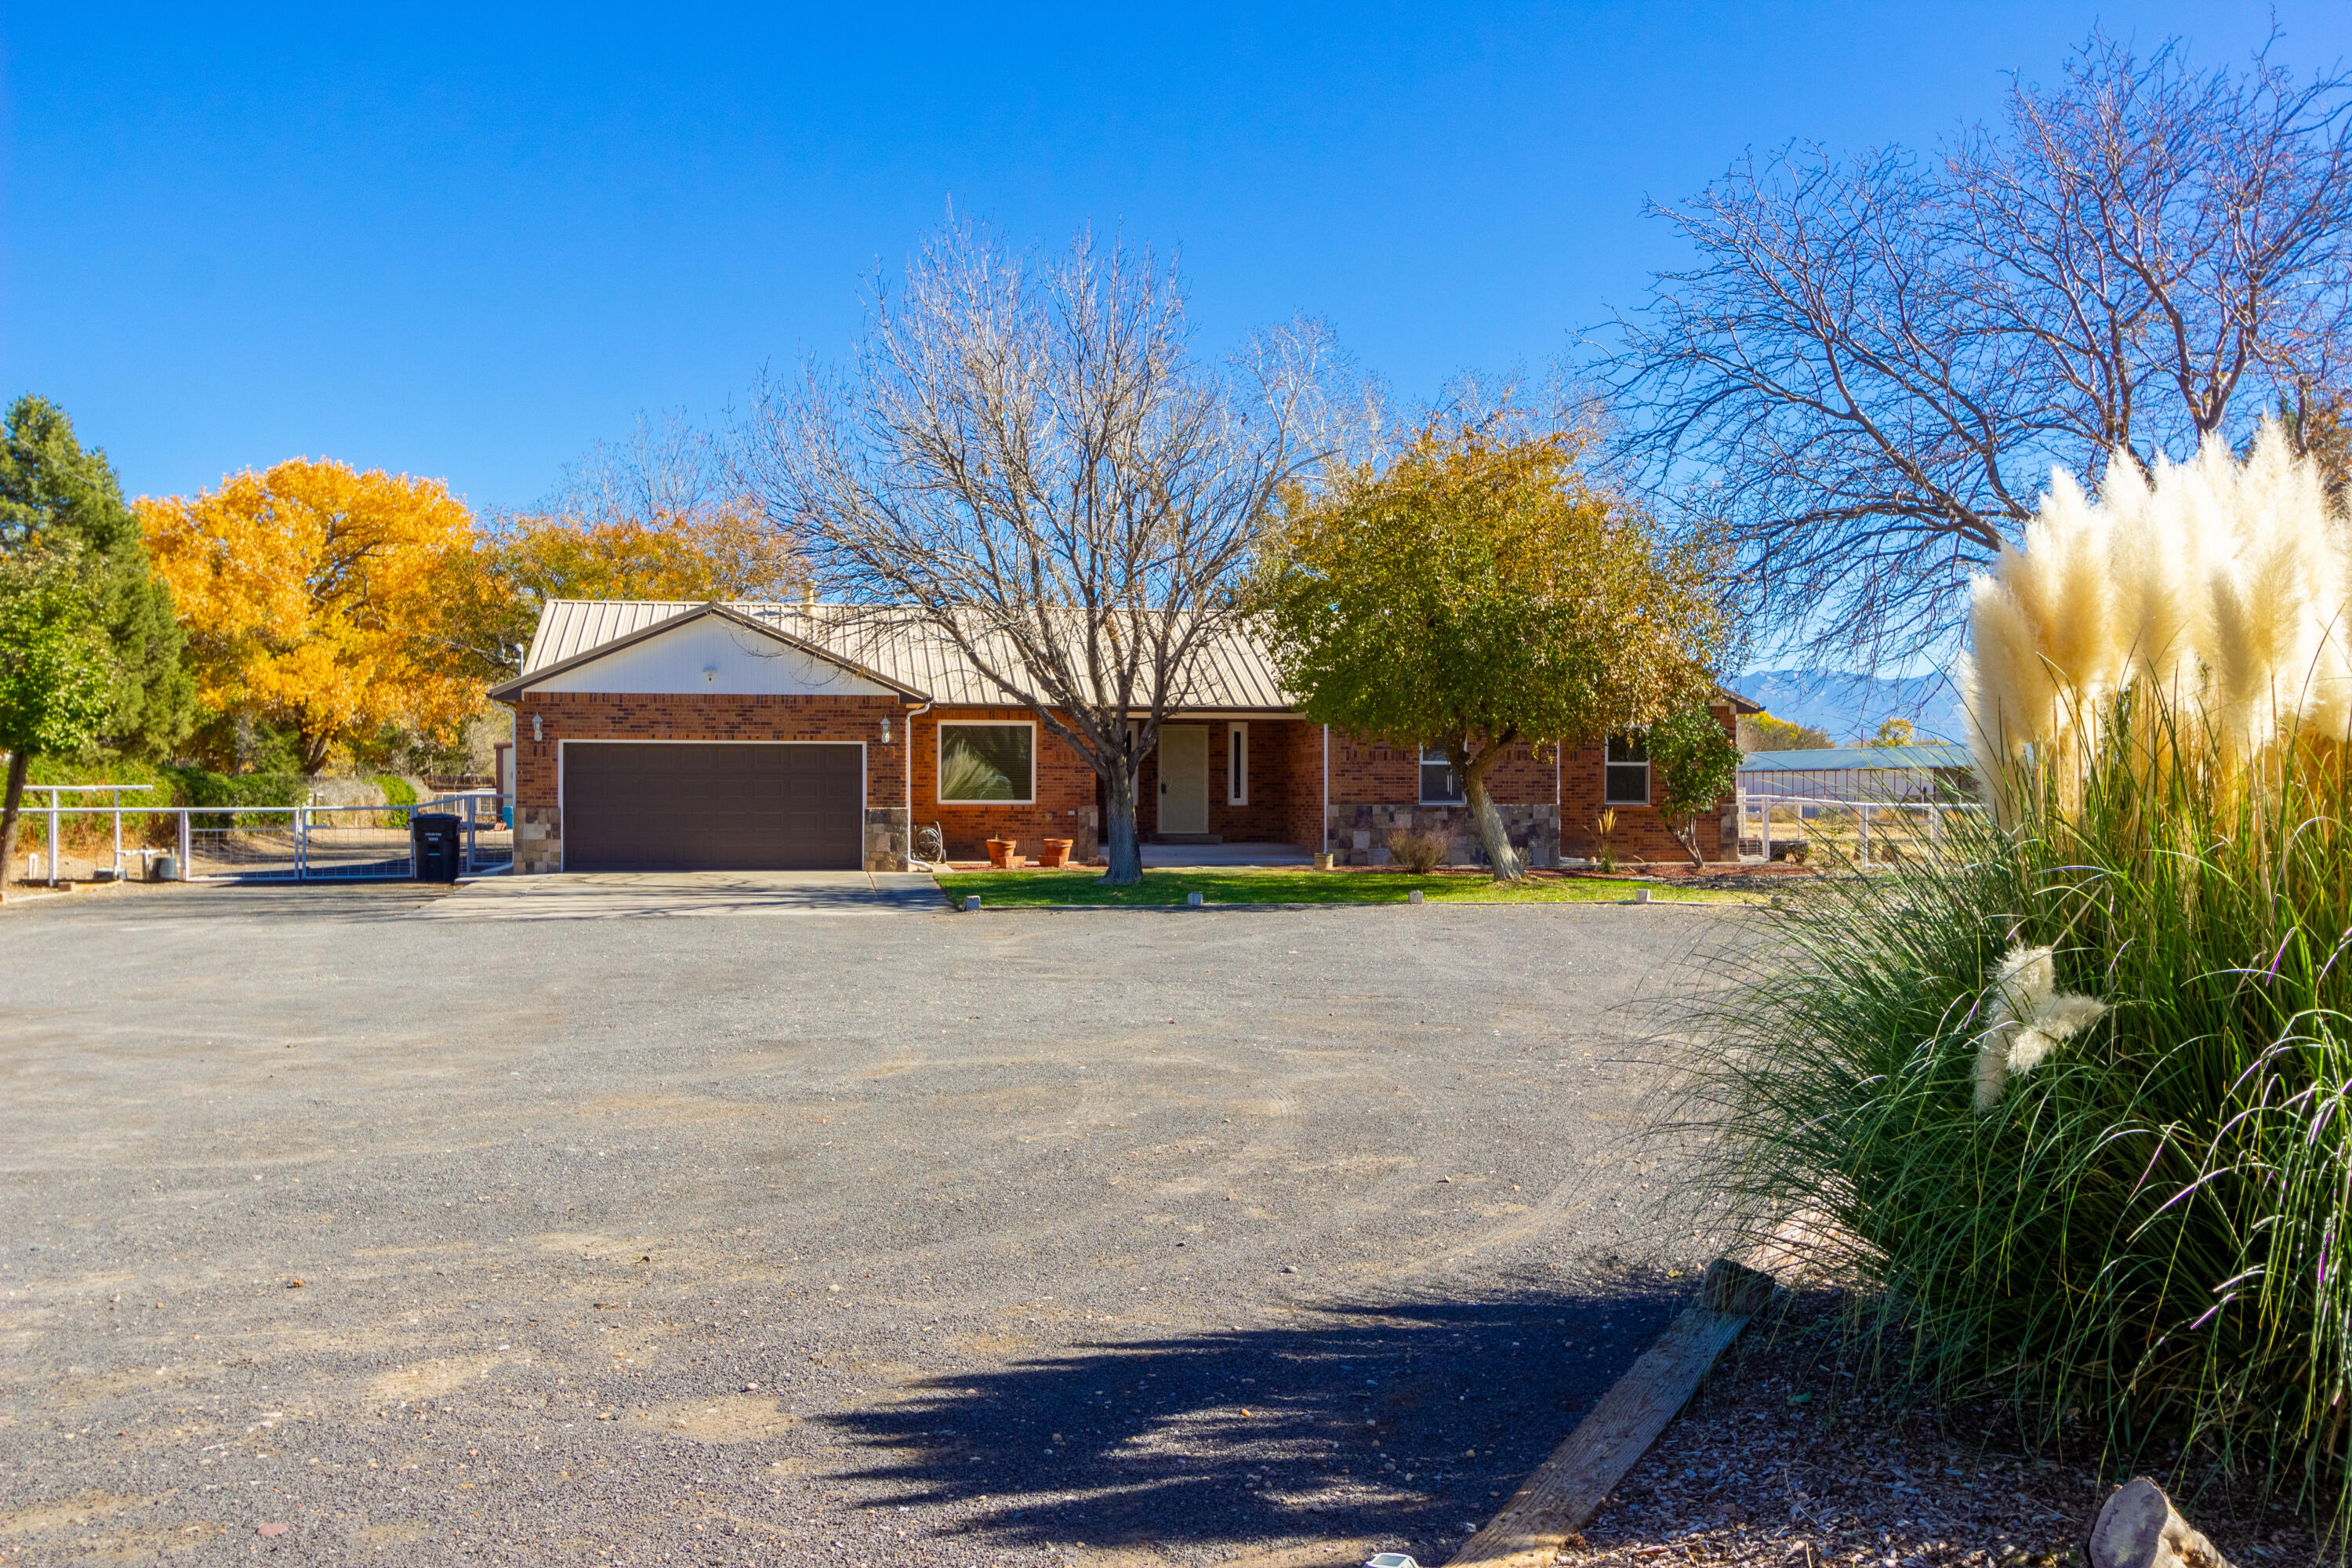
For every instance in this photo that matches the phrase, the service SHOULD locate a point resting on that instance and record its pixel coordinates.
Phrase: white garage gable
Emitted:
(712, 651)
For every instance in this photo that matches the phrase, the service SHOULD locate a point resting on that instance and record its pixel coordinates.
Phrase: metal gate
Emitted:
(290, 843)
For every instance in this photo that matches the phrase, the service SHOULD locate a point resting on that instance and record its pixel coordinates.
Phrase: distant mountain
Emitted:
(1850, 708)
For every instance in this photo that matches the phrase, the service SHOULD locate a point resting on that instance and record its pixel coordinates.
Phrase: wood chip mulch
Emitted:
(1794, 1454)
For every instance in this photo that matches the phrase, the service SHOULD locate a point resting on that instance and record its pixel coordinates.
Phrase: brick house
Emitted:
(666, 735)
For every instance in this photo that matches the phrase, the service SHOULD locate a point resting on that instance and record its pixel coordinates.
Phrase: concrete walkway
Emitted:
(618, 895)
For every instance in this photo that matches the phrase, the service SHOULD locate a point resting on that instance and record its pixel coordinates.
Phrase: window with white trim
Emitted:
(1625, 770)
(1236, 764)
(988, 761)
(1440, 784)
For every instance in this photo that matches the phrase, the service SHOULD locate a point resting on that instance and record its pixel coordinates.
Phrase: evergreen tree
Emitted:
(54, 493)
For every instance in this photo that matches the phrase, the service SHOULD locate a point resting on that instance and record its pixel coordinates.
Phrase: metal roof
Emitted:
(1232, 673)
(1859, 758)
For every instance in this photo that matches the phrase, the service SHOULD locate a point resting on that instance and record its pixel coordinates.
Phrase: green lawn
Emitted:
(1284, 885)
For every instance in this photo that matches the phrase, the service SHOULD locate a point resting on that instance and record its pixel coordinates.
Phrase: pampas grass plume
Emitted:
(2218, 587)
(2029, 1017)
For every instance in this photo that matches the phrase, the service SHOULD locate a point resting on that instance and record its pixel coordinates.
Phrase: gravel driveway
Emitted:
(1256, 1236)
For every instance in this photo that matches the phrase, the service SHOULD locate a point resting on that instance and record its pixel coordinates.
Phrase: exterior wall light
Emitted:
(886, 729)
(536, 733)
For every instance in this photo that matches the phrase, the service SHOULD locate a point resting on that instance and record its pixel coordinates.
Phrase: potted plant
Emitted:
(1000, 851)
(1056, 853)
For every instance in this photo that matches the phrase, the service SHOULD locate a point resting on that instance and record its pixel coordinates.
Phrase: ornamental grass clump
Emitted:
(2075, 1094)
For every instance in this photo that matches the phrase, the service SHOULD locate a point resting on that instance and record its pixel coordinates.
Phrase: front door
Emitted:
(1184, 779)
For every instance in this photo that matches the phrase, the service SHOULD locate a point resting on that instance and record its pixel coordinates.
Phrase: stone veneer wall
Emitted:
(886, 838)
(1360, 833)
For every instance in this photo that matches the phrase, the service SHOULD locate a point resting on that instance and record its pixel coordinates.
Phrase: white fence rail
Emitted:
(1889, 821)
(285, 843)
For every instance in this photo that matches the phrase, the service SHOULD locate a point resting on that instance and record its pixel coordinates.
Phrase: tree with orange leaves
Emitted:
(311, 601)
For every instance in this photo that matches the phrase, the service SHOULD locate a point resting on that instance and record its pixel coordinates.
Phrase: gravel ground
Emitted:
(1263, 1236)
(1799, 1453)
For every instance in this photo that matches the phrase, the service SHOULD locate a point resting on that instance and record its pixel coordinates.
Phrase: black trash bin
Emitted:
(438, 842)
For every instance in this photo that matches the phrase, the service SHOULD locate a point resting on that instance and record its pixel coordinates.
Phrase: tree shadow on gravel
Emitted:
(1400, 1419)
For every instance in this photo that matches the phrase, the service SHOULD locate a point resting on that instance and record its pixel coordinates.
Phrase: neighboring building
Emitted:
(663, 735)
(1851, 785)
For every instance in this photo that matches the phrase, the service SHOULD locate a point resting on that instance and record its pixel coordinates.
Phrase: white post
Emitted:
(301, 826)
(118, 835)
(1766, 835)
(187, 847)
(55, 864)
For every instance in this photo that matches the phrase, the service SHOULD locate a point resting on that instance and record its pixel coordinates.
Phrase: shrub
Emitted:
(397, 792)
(200, 788)
(1419, 850)
(2076, 1095)
(86, 834)
(1697, 765)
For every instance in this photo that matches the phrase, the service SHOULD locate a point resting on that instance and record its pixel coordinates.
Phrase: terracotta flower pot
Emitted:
(999, 850)
(1056, 853)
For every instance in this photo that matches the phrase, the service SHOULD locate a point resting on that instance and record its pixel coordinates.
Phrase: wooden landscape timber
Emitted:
(1568, 1489)
(2139, 1528)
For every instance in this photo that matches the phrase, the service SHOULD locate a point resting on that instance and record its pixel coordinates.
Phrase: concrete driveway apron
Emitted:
(646, 894)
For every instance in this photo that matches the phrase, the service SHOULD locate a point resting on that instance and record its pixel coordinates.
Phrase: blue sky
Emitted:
(468, 243)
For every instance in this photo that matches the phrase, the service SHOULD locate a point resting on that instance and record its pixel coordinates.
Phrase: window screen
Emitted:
(1626, 777)
(987, 762)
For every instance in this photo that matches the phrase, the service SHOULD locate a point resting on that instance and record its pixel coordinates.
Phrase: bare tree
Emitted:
(665, 470)
(1877, 361)
(1025, 456)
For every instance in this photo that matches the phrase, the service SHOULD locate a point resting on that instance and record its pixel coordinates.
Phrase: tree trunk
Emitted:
(11, 809)
(1687, 834)
(314, 753)
(1488, 821)
(1122, 848)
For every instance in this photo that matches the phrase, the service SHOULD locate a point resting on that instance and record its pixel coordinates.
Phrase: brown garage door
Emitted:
(678, 808)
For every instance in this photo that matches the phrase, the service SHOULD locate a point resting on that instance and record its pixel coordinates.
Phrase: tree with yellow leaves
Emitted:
(519, 562)
(311, 595)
